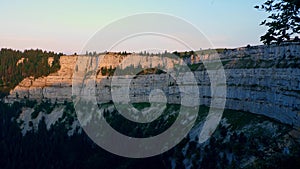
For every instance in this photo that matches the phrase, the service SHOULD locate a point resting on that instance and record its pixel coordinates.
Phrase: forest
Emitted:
(16, 65)
(229, 146)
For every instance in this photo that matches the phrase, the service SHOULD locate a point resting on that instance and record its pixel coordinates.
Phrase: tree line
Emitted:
(16, 65)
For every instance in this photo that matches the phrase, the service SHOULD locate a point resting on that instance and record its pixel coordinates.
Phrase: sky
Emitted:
(66, 26)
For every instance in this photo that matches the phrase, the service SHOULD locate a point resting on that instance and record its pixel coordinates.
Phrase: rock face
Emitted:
(271, 92)
(55, 86)
(260, 79)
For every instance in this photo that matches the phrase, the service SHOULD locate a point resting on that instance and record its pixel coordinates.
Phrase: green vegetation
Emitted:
(151, 71)
(141, 106)
(107, 71)
(238, 119)
(34, 63)
(196, 66)
(211, 51)
(184, 54)
(241, 137)
(141, 130)
(44, 106)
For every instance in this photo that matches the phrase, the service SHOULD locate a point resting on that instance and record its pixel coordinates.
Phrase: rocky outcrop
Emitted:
(55, 86)
(271, 92)
(260, 79)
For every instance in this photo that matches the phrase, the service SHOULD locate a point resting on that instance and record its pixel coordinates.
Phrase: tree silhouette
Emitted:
(283, 21)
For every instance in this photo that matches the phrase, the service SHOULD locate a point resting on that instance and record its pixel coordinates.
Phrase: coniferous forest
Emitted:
(53, 147)
(16, 65)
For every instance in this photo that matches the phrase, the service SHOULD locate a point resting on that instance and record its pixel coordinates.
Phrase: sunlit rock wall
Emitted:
(270, 85)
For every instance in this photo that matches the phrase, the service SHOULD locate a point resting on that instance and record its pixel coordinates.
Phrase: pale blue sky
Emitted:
(65, 26)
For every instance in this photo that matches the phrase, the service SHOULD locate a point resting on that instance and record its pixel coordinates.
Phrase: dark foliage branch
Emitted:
(283, 21)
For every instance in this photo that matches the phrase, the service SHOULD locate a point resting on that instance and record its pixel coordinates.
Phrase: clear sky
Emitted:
(66, 25)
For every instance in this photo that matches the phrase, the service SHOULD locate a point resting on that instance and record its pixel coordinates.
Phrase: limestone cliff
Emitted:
(260, 79)
(55, 86)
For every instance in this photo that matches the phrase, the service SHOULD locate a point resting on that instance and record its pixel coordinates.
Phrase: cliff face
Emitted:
(55, 86)
(260, 79)
(268, 91)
